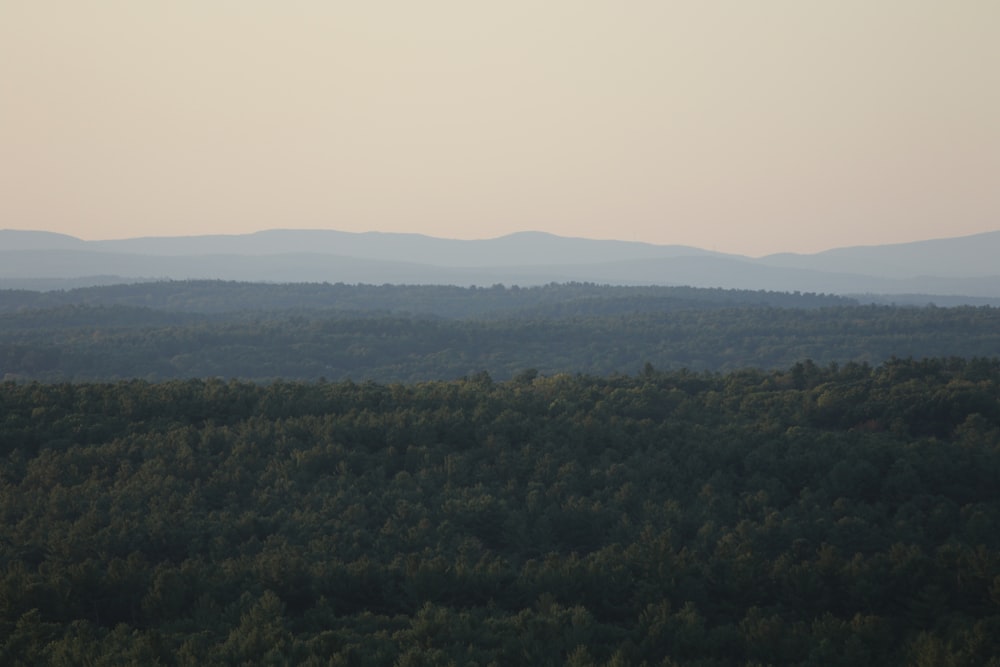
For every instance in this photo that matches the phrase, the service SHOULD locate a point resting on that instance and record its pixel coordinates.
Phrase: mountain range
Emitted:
(958, 269)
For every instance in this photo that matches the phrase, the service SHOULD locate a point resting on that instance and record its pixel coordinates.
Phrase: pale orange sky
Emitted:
(749, 127)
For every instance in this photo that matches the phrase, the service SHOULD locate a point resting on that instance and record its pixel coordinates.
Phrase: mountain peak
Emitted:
(22, 239)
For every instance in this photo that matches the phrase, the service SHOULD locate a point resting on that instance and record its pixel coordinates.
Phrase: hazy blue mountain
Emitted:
(520, 249)
(17, 239)
(958, 257)
(964, 266)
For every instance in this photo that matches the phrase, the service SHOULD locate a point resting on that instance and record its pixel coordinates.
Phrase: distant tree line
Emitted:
(215, 296)
(601, 335)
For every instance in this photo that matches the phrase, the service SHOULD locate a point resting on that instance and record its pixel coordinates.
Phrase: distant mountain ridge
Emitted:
(957, 257)
(952, 266)
(519, 249)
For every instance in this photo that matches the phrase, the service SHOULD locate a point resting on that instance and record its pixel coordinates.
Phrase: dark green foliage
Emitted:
(822, 515)
(161, 331)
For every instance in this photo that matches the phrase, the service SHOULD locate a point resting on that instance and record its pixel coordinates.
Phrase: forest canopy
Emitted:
(162, 331)
(816, 515)
(210, 473)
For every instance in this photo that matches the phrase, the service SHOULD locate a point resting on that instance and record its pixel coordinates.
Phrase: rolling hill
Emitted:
(961, 266)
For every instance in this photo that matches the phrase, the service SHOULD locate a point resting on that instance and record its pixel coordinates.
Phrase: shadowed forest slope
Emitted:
(385, 333)
(812, 516)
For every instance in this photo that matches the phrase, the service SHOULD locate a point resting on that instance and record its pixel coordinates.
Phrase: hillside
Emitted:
(161, 331)
(808, 516)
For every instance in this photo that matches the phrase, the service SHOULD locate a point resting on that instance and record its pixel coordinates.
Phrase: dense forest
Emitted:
(817, 515)
(177, 330)
(206, 472)
(218, 296)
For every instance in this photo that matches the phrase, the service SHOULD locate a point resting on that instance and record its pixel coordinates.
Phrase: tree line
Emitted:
(101, 343)
(217, 296)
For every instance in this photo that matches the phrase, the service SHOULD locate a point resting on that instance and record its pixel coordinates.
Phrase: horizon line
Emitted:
(525, 232)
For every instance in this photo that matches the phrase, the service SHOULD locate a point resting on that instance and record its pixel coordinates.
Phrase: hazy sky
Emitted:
(739, 126)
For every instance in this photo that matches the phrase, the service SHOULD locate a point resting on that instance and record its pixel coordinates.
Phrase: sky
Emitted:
(745, 127)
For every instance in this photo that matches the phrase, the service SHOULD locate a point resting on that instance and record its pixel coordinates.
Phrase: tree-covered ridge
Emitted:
(95, 343)
(819, 515)
(215, 296)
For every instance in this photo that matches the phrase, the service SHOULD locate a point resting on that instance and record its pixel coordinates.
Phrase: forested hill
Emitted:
(399, 333)
(810, 516)
(216, 296)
